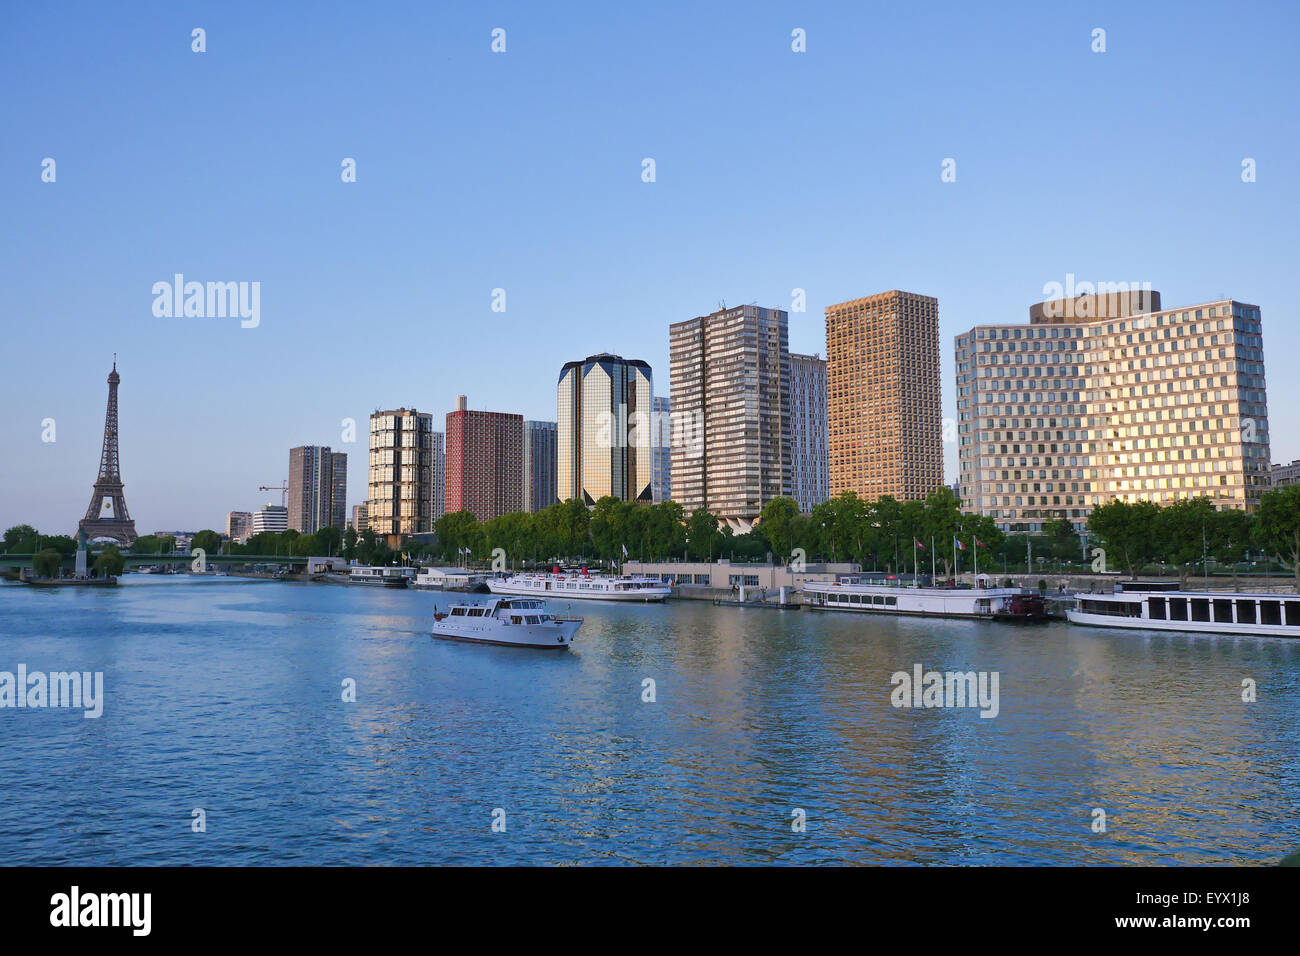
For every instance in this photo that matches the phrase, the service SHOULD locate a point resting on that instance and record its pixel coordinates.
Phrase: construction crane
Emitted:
(283, 488)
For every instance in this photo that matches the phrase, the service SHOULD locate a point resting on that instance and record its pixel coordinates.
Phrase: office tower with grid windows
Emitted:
(661, 450)
(539, 465)
(809, 468)
(1111, 396)
(885, 431)
(318, 488)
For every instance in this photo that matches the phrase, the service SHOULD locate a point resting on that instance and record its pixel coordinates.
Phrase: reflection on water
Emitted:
(226, 694)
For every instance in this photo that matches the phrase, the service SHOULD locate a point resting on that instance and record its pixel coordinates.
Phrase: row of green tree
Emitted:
(877, 534)
(1137, 535)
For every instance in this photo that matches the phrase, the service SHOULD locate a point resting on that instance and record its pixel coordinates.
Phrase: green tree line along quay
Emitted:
(878, 535)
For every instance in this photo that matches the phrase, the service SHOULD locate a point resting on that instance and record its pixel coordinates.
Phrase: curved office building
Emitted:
(604, 430)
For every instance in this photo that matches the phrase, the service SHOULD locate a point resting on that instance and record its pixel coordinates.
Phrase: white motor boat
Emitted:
(510, 622)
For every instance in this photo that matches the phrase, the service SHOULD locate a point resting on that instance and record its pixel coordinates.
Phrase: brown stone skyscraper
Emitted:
(882, 379)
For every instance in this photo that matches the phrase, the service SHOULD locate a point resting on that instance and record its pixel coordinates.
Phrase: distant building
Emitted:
(809, 466)
(401, 495)
(438, 482)
(883, 384)
(603, 406)
(359, 523)
(730, 375)
(661, 450)
(181, 539)
(1280, 475)
(1111, 396)
(539, 465)
(485, 462)
(239, 525)
(318, 488)
(270, 518)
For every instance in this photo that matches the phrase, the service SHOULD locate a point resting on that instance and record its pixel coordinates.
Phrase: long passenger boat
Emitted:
(1157, 606)
(581, 586)
(980, 603)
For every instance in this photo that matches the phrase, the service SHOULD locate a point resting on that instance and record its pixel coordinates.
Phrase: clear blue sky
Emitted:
(522, 170)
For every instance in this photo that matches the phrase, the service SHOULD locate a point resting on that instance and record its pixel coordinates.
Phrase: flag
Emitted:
(959, 544)
(980, 543)
(625, 551)
(920, 545)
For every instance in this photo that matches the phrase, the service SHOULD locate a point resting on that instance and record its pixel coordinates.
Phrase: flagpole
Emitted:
(975, 549)
(914, 565)
(934, 567)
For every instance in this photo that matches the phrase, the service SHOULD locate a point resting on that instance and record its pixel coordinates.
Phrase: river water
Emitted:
(771, 737)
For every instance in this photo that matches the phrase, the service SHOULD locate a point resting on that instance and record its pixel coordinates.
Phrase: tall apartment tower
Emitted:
(1111, 396)
(438, 479)
(809, 464)
(661, 450)
(539, 465)
(730, 378)
(882, 378)
(401, 494)
(604, 430)
(485, 462)
(318, 488)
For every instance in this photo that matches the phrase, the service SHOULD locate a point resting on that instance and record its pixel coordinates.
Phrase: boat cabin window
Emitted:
(1223, 610)
(476, 612)
(516, 619)
(458, 612)
(1178, 609)
(1270, 612)
(1245, 611)
(1156, 608)
(1200, 609)
(1293, 613)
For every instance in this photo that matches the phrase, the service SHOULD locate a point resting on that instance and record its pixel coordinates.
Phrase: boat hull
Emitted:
(1224, 628)
(551, 637)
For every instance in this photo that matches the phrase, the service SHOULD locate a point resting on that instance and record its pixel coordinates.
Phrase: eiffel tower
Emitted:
(108, 486)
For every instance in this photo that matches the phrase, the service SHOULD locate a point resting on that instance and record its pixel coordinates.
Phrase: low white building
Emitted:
(725, 575)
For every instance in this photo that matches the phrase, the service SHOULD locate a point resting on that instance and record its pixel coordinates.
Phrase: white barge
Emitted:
(578, 586)
(1155, 606)
(509, 622)
(981, 603)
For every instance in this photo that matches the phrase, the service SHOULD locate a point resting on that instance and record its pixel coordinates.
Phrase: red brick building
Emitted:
(485, 462)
